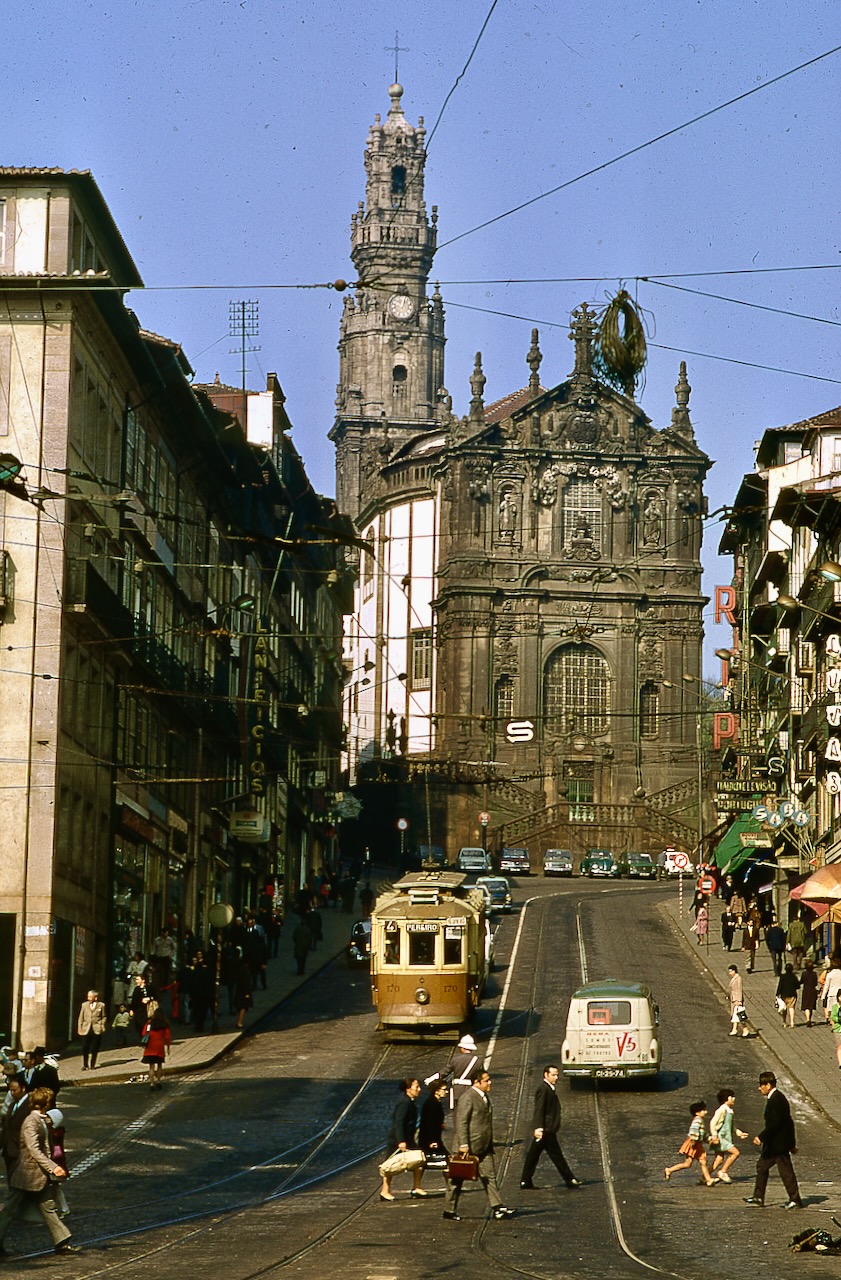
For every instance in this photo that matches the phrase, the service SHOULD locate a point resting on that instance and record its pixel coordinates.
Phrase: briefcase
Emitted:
(464, 1167)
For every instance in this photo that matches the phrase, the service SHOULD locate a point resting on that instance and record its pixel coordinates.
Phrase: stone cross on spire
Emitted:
(582, 331)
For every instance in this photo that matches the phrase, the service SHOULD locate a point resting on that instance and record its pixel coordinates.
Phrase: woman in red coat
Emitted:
(158, 1040)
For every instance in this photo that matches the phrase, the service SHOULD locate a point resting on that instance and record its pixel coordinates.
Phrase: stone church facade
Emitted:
(526, 637)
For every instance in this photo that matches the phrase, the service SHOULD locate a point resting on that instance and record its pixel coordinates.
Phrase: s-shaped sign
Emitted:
(519, 731)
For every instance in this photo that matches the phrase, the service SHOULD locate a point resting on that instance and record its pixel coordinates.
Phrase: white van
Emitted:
(470, 860)
(613, 1032)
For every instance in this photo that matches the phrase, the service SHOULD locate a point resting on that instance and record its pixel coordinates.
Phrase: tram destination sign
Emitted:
(421, 926)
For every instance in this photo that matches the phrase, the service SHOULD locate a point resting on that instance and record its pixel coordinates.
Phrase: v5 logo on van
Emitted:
(625, 1042)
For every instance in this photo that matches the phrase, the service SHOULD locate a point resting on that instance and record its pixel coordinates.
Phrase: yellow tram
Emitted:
(430, 954)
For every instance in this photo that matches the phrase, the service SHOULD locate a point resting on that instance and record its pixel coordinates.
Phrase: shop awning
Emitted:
(731, 851)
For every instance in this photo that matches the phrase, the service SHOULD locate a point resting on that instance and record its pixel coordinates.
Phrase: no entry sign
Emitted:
(706, 884)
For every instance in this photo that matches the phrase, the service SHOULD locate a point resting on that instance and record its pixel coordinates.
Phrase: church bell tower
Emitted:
(391, 345)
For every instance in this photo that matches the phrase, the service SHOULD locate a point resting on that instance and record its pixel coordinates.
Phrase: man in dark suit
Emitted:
(11, 1122)
(546, 1124)
(778, 1144)
(474, 1136)
(44, 1075)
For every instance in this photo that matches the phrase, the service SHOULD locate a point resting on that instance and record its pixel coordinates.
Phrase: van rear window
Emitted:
(608, 1013)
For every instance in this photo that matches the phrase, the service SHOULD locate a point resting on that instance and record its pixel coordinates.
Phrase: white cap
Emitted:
(56, 1116)
(467, 1042)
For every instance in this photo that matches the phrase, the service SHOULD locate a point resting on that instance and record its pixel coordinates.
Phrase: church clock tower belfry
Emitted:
(391, 346)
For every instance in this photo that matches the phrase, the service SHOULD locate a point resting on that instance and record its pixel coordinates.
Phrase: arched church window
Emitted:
(581, 515)
(649, 710)
(398, 180)
(504, 708)
(576, 691)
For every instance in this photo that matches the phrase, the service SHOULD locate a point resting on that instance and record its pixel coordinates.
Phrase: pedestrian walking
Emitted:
(463, 1064)
(13, 1120)
(139, 1005)
(301, 944)
(474, 1136)
(835, 1023)
(546, 1125)
(778, 1143)
(33, 1176)
(750, 938)
(831, 987)
(243, 988)
(157, 1044)
(201, 984)
(366, 899)
(702, 924)
(163, 954)
(433, 1119)
(728, 928)
(90, 1025)
(739, 907)
(402, 1142)
(809, 991)
(692, 1148)
(722, 1128)
(737, 1002)
(313, 923)
(775, 941)
(796, 938)
(787, 989)
(121, 1024)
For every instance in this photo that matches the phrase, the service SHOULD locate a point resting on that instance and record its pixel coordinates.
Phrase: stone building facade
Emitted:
(169, 664)
(527, 630)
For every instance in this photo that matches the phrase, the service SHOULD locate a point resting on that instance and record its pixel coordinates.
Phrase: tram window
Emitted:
(422, 948)
(452, 950)
(609, 1013)
(391, 948)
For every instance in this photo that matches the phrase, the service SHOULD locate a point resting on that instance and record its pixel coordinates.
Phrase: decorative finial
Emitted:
(582, 330)
(533, 360)
(681, 420)
(477, 386)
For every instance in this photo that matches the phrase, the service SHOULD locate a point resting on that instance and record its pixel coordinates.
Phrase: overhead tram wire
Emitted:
(642, 146)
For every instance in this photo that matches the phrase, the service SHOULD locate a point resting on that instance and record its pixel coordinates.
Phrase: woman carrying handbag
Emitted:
(402, 1142)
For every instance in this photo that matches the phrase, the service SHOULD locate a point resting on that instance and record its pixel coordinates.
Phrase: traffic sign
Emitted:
(484, 819)
(680, 860)
(706, 884)
(402, 824)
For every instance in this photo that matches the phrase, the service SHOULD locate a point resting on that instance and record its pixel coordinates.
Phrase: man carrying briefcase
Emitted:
(474, 1136)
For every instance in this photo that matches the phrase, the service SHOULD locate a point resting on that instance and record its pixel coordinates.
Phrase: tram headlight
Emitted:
(422, 995)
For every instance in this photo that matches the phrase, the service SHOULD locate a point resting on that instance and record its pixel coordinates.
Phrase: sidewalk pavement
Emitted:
(190, 1051)
(807, 1053)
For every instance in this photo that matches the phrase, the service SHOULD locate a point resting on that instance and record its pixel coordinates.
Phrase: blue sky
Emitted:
(227, 137)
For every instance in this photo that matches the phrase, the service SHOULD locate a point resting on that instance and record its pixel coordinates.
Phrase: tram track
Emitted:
(327, 1158)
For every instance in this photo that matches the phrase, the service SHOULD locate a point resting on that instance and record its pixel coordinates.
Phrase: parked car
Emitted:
(359, 947)
(516, 861)
(641, 866)
(471, 859)
(599, 862)
(499, 890)
(667, 866)
(558, 862)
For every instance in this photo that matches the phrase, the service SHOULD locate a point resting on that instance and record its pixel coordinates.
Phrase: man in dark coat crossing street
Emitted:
(546, 1125)
(778, 1143)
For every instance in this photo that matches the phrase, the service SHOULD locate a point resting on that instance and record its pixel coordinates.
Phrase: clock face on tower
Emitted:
(401, 306)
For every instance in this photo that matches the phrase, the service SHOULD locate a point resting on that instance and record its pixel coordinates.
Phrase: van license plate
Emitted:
(610, 1073)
